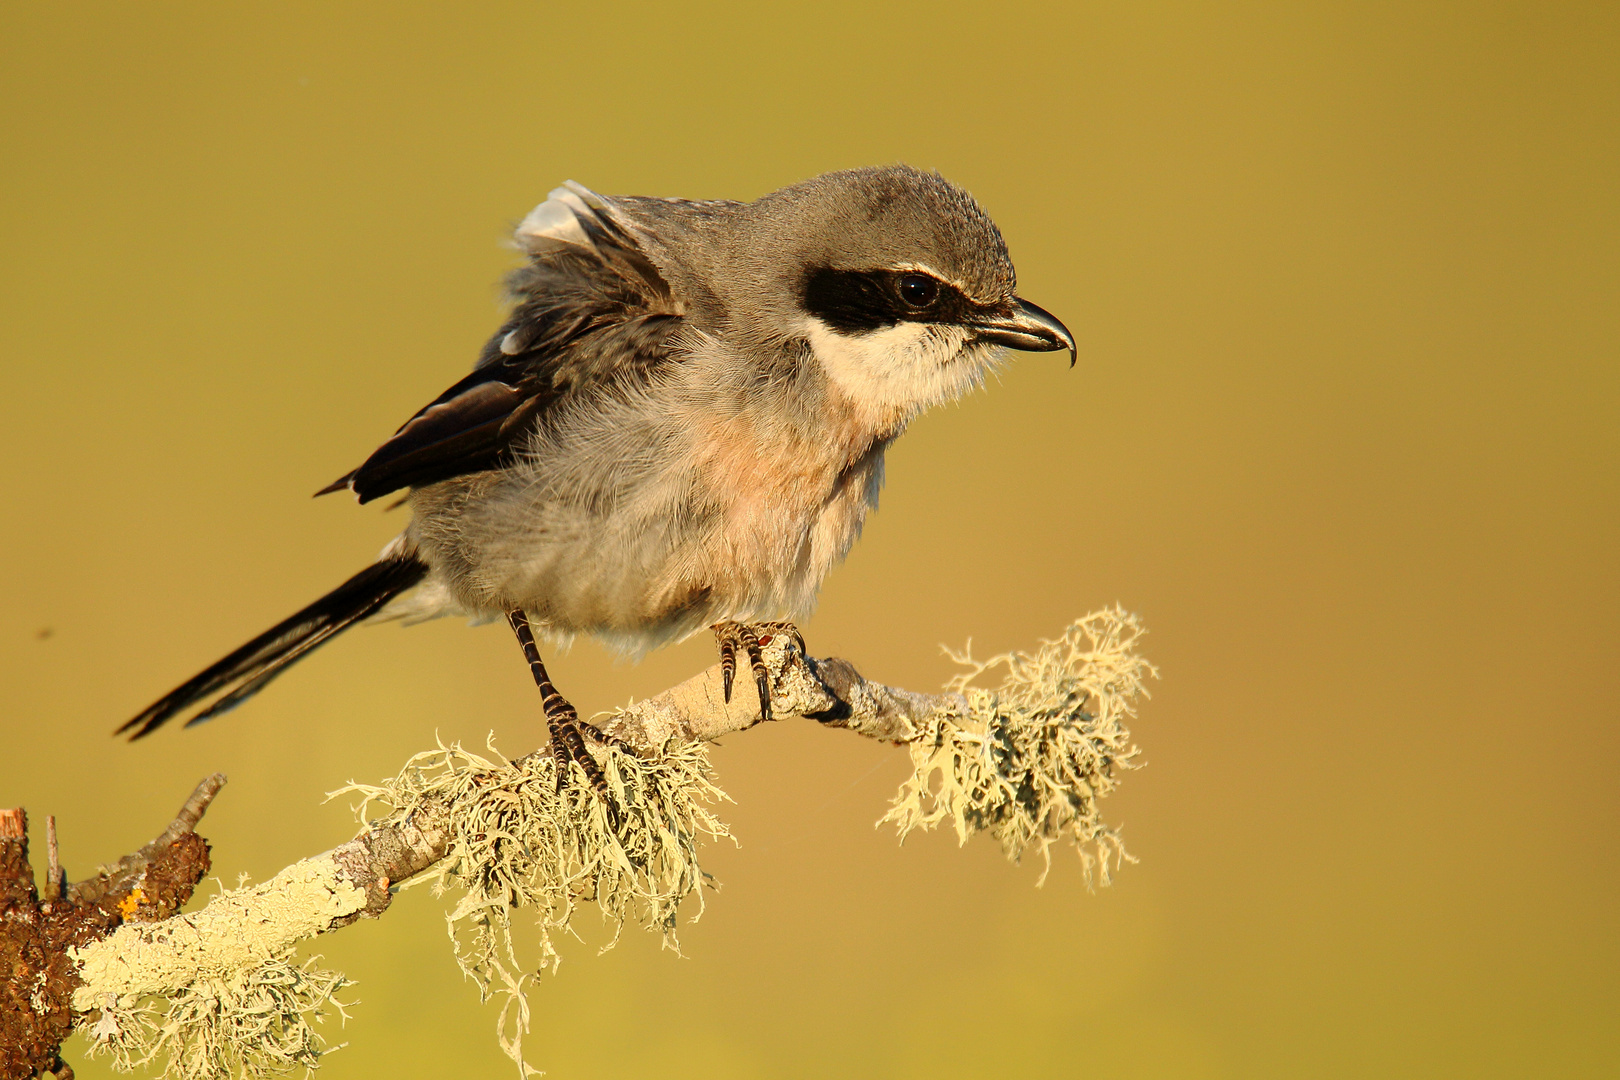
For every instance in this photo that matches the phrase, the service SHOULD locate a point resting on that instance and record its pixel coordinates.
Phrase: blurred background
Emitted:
(1345, 431)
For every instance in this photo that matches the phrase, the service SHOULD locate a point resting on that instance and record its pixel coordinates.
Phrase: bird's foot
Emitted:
(568, 735)
(751, 638)
(568, 731)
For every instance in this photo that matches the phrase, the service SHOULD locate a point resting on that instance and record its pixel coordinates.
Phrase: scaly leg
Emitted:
(568, 731)
(752, 638)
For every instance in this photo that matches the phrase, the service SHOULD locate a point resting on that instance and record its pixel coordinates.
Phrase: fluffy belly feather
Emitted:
(737, 522)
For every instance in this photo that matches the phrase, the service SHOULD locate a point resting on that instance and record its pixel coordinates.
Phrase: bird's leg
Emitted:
(751, 637)
(568, 731)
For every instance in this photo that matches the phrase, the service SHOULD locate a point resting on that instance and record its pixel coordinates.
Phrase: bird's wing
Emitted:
(592, 307)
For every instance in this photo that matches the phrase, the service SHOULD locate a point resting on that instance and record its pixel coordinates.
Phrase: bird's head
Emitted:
(896, 277)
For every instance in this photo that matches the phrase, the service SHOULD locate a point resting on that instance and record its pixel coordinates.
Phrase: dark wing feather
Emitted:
(591, 307)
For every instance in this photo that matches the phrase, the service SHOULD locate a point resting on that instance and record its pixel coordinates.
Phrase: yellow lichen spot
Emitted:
(127, 906)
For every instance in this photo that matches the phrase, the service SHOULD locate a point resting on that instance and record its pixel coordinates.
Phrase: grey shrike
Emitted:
(681, 425)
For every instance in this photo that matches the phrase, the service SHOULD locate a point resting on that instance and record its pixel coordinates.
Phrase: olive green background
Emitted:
(1344, 431)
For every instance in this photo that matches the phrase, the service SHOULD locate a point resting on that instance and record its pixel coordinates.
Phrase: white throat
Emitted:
(901, 369)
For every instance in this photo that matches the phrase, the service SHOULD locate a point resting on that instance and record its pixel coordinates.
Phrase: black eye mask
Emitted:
(859, 301)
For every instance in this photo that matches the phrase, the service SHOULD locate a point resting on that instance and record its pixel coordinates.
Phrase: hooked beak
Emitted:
(1028, 328)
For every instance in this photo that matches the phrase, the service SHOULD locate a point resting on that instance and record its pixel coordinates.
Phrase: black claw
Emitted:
(753, 637)
(764, 686)
(756, 663)
(560, 756)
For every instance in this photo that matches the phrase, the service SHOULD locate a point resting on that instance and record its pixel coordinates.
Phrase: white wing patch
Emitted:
(557, 220)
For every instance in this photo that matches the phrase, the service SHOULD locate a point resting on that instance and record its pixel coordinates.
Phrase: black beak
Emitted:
(1028, 328)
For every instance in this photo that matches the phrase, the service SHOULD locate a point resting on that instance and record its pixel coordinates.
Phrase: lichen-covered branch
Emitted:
(126, 874)
(40, 930)
(828, 691)
(1027, 761)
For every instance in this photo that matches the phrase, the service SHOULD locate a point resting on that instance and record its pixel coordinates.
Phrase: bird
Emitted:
(680, 425)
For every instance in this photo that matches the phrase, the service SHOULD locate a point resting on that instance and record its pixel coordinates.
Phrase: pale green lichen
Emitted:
(236, 930)
(1029, 760)
(216, 992)
(517, 841)
(253, 1022)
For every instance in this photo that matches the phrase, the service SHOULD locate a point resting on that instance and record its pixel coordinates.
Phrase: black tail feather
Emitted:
(249, 669)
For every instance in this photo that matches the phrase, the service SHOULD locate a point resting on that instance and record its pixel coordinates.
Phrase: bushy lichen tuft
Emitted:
(250, 1023)
(1029, 760)
(517, 841)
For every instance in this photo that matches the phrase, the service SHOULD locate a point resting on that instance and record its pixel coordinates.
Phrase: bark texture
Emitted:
(38, 932)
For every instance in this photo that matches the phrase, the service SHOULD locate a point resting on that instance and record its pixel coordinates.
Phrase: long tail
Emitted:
(249, 669)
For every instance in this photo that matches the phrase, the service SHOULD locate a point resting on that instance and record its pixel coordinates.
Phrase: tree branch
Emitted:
(118, 879)
(358, 876)
(39, 931)
(1026, 762)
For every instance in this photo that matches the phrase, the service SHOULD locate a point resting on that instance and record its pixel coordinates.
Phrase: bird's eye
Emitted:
(918, 290)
